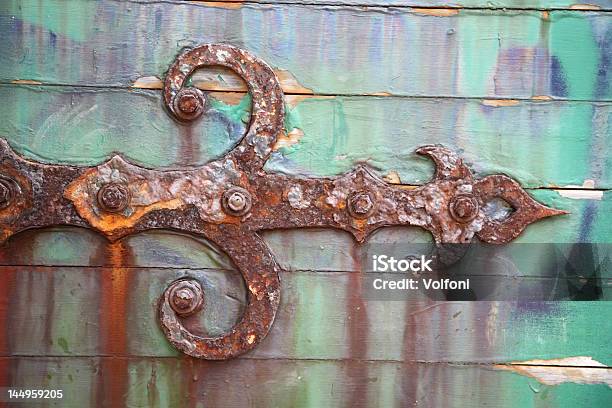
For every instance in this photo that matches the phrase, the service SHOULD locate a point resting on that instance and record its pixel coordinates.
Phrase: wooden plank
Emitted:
(302, 249)
(62, 311)
(282, 383)
(444, 8)
(532, 141)
(327, 49)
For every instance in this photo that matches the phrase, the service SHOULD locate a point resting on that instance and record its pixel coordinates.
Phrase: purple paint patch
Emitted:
(586, 224)
(537, 308)
(52, 39)
(602, 85)
(557, 78)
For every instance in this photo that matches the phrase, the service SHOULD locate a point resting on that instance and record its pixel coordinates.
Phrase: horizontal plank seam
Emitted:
(283, 271)
(314, 95)
(366, 5)
(550, 188)
(251, 358)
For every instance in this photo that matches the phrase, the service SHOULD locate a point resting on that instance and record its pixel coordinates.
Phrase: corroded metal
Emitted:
(230, 200)
(113, 197)
(236, 201)
(188, 104)
(186, 297)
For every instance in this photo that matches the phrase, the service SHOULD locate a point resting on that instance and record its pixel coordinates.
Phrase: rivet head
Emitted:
(189, 104)
(114, 197)
(463, 208)
(6, 193)
(236, 201)
(360, 204)
(186, 297)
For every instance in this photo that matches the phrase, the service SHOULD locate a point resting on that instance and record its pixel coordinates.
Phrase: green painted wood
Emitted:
(93, 329)
(330, 50)
(297, 250)
(282, 383)
(528, 140)
(323, 315)
(443, 6)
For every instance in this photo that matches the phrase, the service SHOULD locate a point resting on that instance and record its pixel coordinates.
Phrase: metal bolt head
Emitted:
(186, 297)
(236, 201)
(360, 204)
(189, 104)
(6, 193)
(464, 208)
(113, 197)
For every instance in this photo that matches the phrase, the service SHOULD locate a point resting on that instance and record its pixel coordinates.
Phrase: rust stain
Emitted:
(436, 12)
(584, 7)
(288, 139)
(358, 326)
(545, 15)
(189, 146)
(7, 291)
(500, 102)
(114, 311)
(114, 297)
(580, 370)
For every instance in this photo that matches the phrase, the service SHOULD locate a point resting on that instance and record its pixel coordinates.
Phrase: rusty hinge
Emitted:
(229, 200)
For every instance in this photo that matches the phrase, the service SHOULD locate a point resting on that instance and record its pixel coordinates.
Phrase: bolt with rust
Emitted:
(189, 104)
(360, 204)
(114, 197)
(236, 201)
(186, 297)
(463, 208)
(6, 193)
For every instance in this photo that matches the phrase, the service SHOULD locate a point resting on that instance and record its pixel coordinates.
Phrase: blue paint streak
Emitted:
(586, 224)
(52, 39)
(558, 84)
(602, 84)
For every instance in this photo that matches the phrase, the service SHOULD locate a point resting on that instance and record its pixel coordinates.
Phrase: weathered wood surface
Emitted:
(323, 250)
(532, 141)
(323, 316)
(147, 382)
(365, 84)
(354, 50)
(444, 8)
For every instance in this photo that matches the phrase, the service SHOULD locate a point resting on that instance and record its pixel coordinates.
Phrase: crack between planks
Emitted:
(357, 4)
(148, 268)
(459, 363)
(31, 83)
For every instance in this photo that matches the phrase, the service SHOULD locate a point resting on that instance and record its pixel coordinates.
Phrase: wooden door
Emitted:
(521, 88)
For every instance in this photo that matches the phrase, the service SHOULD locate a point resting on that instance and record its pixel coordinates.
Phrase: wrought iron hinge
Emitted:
(230, 200)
